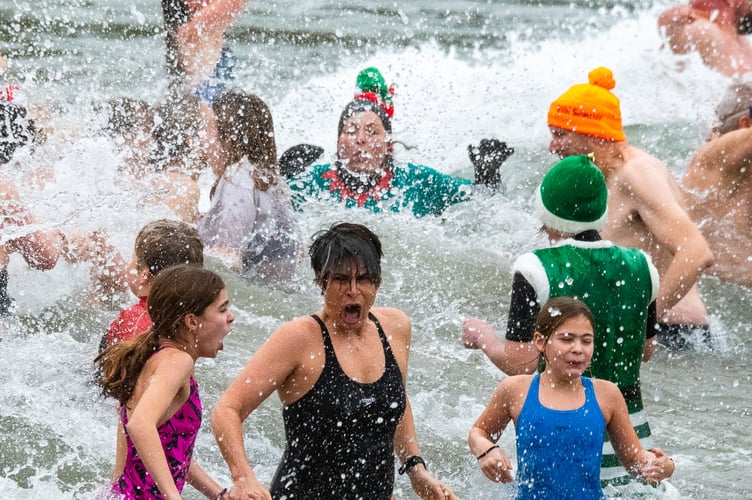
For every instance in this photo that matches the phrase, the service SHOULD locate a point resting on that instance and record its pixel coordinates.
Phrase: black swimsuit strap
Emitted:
(328, 346)
(382, 335)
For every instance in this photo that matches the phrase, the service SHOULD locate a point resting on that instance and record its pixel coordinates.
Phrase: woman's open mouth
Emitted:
(351, 313)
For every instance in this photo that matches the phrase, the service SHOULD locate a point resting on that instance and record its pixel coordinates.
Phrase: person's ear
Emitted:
(540, 341)
(191, 322)
(744, 122)
(389, 146)
(146, 276)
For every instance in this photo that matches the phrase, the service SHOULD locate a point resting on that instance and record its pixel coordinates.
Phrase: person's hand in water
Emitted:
(487, 158)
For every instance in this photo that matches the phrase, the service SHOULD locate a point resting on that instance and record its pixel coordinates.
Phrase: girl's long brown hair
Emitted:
(176, 292)
(245, 128)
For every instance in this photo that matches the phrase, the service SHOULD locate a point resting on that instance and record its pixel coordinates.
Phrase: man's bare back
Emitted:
(718, 193)
(645, 213)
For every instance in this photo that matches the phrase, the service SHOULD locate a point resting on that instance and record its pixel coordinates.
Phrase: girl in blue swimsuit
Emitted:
(560, 417)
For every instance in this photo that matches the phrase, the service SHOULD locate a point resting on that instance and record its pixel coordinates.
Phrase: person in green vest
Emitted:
(365, 173)
(618, 284)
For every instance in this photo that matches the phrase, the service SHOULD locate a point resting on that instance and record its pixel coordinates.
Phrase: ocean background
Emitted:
(462, 71)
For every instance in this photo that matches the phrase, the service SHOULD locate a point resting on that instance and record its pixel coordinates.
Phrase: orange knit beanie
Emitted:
(589, 108)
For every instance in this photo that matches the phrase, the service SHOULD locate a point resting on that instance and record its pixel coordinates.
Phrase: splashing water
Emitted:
(462, 72)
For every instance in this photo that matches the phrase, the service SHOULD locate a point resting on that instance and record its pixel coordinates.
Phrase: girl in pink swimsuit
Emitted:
(152, 378)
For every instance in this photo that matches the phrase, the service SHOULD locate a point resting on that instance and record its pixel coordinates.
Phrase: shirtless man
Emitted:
(718, 191)
(716, 29)
(644, 204)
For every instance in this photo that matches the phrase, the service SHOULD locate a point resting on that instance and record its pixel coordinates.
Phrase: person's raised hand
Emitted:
(487, 158)
(297, 158)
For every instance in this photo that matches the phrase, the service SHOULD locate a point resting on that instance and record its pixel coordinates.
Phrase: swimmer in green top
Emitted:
(365, 174)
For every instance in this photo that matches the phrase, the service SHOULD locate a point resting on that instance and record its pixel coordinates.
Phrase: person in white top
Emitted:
(250, 224)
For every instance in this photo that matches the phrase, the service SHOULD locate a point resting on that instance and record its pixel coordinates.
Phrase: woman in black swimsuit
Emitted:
(340, 374)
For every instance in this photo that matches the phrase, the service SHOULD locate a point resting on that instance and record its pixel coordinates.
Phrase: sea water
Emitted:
(462, 71)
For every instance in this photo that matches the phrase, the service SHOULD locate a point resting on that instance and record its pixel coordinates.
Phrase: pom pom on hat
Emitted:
(572, 196)
(590, 108)
(370, 84)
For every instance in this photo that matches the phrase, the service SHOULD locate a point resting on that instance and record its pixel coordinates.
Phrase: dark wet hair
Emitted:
(361, 106)
(177, 292)
(165, 243)
(16, 130)
(176, 119)
(342, 244)
(128, 116)
(558, 311)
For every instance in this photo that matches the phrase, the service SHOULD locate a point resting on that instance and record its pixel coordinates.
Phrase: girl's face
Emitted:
(213, 325)
(569, 349)
(139, 278)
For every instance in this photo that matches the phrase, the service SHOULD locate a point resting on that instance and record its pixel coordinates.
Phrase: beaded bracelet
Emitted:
(487, 451)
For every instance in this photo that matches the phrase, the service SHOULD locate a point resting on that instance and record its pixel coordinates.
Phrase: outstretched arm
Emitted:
(200, 39)
(423, 482)
(516, 355)
(271, 366)
(513, 358)
(405, 440)
(40, 249)
(487, 430)
(199, 479)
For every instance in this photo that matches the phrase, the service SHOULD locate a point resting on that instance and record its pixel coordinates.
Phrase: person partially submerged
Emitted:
(365, 173)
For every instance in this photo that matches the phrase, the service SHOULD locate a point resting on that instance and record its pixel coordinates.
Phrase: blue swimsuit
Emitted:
(559, 451)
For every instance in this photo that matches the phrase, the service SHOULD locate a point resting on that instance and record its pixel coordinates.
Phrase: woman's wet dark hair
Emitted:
(342, 244)
(361, 106)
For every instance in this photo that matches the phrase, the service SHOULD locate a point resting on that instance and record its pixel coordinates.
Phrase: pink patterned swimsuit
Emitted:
(178, 435)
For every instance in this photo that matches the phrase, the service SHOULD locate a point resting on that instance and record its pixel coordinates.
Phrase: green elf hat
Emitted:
(370, 84)
(572, 197)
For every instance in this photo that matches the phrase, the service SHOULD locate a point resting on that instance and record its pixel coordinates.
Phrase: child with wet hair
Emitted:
(178, 154)
(159, 245)
(250, 223)
(152, 378)
(560, 417)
